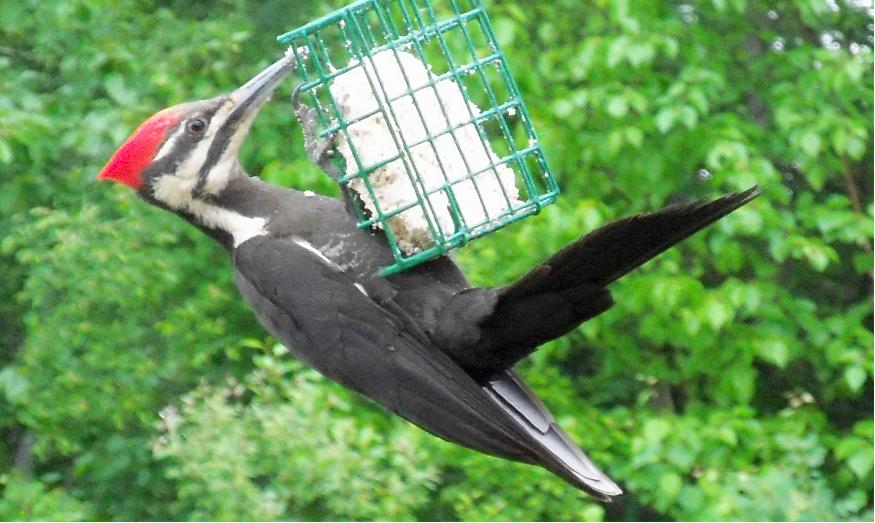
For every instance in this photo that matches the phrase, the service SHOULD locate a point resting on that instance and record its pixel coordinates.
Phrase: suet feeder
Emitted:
(431, 132)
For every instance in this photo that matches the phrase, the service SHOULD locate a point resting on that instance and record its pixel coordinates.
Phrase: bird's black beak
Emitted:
(247, 100)
(241, 108)
(250, 97)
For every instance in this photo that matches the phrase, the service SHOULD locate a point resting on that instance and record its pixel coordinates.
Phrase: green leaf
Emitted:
(665, 119)
(855, 377)
(818, 255)
(717, 312)
(118, 91)
(688, 116)
(617, 106)
(505, 30)
(670, 483)
(773, 350)
(13, 385)
(861, 463)
(655, 430)
(563, 108)
(855, 148)
(810, 143)
(737, 383)
(617, 51)
(635, 136)
(6, 155)
(640, 53)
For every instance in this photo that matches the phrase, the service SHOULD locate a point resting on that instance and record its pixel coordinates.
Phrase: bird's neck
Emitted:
(240, 211)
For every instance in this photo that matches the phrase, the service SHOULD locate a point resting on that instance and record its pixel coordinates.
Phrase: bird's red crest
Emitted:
(129, 161)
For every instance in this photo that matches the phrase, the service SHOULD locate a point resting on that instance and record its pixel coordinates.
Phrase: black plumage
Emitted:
(422, 343)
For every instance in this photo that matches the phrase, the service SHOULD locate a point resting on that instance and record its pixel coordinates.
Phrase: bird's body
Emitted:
(422, 343)
(311, 276)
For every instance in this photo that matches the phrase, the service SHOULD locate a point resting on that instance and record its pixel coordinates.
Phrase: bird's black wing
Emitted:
(328, 321)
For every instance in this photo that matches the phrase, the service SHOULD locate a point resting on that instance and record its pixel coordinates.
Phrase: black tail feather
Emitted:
(489, 330)
(610, 252)
(570, 287)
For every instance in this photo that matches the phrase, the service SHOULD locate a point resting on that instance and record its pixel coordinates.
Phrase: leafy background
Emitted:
(732, 380)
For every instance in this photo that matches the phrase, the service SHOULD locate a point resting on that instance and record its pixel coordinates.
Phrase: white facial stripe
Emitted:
(170, 143)
(190, 167)
(219, 175)
(174, 191)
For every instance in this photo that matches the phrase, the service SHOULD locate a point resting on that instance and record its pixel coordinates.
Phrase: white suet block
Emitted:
(460, 153)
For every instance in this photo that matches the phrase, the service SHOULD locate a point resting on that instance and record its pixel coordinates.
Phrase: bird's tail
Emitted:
(610, 252)
(570, 287)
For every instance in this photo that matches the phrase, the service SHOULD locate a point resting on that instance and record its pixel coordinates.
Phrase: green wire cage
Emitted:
(431, 133)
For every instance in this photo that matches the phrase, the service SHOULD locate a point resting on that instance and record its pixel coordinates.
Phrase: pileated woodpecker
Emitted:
(422, 343)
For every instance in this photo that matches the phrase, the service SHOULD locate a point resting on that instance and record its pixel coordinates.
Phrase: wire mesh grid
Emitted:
(419, 93)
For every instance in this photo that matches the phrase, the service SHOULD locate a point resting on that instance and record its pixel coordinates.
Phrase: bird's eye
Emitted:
(196, 126)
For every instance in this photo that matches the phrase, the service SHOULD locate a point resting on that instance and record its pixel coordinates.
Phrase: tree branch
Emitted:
(851, 186)
(29, 59)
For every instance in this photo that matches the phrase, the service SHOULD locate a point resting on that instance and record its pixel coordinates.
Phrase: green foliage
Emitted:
(30, 500)
(287, 443)
(732, 380)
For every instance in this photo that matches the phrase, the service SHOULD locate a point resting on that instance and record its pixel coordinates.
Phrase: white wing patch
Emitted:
(309, 246)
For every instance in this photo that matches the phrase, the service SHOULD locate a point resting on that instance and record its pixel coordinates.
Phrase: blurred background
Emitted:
(732, 380)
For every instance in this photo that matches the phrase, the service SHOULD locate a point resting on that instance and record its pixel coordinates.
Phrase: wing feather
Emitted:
(323, 318)
(326, 321)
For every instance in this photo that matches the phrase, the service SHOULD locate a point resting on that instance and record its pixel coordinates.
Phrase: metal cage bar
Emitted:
(446, 35)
